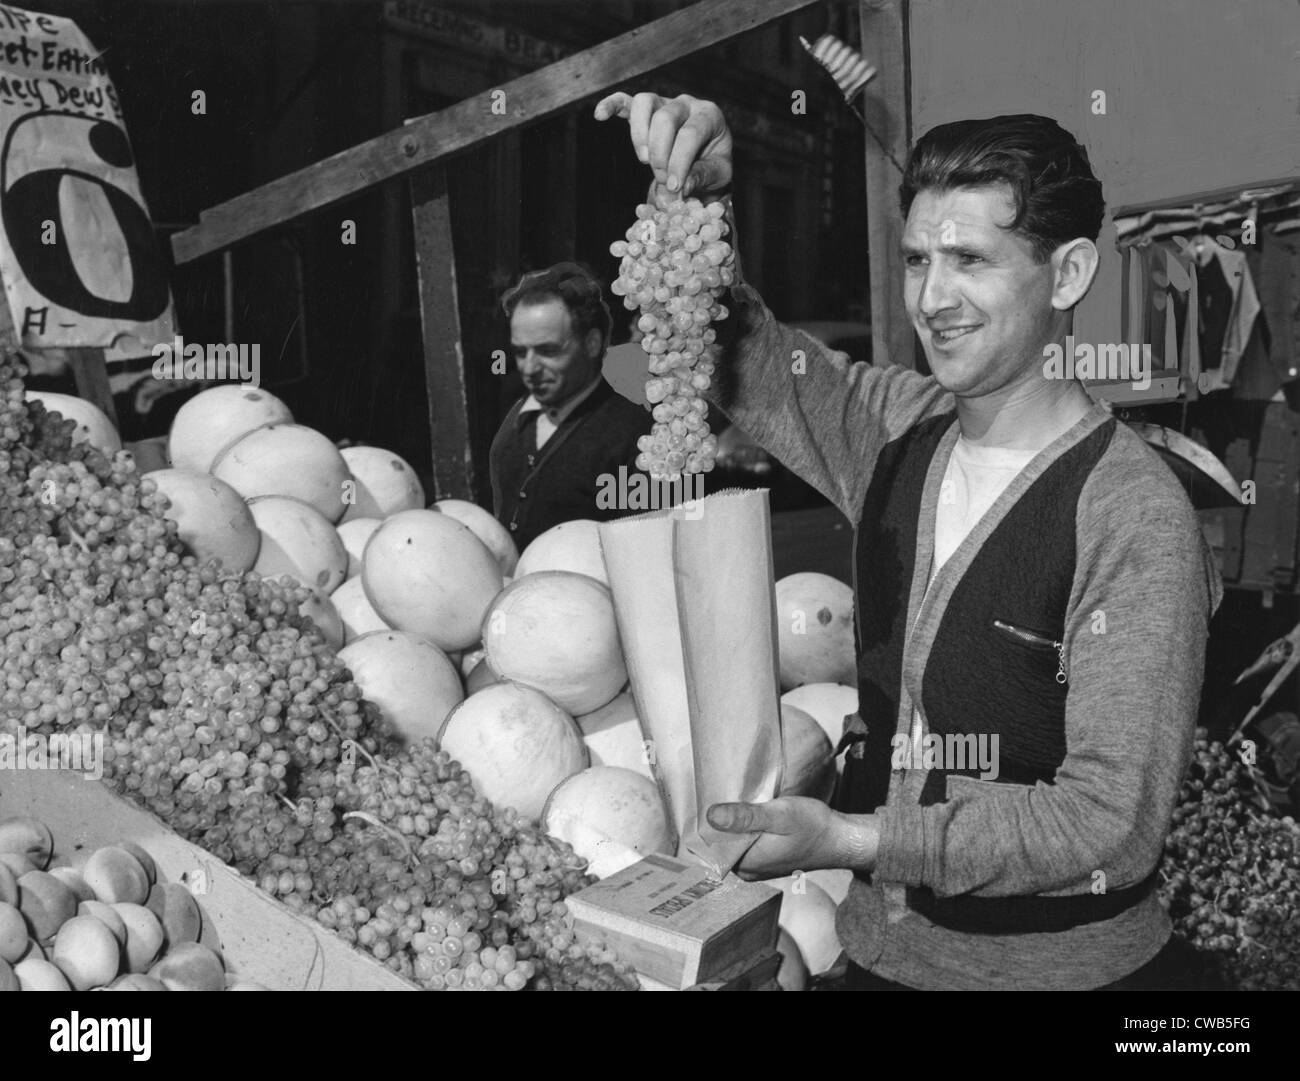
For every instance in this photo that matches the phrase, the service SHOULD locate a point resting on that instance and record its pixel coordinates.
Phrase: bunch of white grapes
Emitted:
(675, 265)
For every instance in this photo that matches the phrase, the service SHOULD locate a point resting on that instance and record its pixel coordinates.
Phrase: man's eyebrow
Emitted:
(952, 249)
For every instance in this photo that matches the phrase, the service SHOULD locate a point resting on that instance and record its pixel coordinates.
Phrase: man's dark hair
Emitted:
(575, 287)
(1057, 196)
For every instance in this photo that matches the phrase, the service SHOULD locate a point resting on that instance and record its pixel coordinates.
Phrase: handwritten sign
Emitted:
(80, 263)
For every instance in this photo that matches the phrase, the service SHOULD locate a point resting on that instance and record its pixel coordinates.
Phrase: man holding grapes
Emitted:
(1025, 569)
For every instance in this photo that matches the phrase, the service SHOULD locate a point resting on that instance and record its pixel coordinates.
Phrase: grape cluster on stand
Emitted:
(226, 714)
(1231, 873)
(676, 263)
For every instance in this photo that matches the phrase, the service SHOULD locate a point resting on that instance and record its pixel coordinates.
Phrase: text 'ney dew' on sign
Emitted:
(80, 262)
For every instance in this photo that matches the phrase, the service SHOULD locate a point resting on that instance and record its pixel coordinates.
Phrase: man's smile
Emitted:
(944, 335)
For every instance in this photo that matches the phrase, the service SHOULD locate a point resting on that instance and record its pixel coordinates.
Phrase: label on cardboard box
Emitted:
(675, 922)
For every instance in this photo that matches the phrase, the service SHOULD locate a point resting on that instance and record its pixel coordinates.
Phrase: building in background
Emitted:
(285, 85)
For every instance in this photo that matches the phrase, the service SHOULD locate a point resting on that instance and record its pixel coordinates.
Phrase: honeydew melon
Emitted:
(214, 418)
(212, 519)
(480, 676)
(808, 916)
(555, 630)
(484, 526)
(409, 678)
(298, 541)
(384, 484)
(613, 735)
(827, 703)
(354, 533)
(355, 611)
(809, 756)
(793, 973)
(515, 743)
(426, 572)
(286, 460)
(92, 424)
(321, 611)
(570, 546)
(815, 630)
(606, 803)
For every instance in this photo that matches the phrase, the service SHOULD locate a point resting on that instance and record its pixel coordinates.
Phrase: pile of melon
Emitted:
(512, 661)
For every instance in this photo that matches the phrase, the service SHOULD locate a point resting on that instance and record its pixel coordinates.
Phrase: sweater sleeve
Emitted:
(825, 418)
(1144, 590)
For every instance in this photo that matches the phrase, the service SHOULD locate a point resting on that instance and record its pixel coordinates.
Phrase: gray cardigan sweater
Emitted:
(1126, 720)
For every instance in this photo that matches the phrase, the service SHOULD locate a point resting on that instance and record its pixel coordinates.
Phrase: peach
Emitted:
(136, 981)
(145, 860)
(34, 950)
(116, 875)
(46, 902)
(17, 862)
(144, 936)
(37, 974)
(28, 836)
(87, 952)
(13, 933)
(190, 967)
(71, 878)
(8, 981)
(107, 915)
(177, 911)
(8, 885)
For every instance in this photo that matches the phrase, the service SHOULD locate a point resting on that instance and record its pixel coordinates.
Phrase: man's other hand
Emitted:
(684, 140)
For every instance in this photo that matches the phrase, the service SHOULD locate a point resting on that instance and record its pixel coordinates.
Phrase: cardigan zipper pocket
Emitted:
(1033, 638)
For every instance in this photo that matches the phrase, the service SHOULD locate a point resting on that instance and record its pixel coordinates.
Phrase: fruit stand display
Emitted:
(430, 791)
(377, 734)
(297, 668)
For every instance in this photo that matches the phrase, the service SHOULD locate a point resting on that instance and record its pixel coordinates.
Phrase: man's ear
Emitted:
(595, 344)
(1074, 267)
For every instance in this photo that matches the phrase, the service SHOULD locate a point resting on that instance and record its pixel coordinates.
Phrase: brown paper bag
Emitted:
(695, 602)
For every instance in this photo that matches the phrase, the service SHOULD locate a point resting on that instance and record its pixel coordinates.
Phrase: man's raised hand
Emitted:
(684, 140)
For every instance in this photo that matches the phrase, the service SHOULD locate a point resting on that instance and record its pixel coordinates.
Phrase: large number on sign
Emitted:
(32, 195)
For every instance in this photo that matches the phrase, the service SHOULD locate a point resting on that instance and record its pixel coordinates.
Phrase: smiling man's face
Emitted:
(978, 299)
(553, 360)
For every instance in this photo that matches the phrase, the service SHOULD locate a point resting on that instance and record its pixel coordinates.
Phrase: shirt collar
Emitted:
(559, 414)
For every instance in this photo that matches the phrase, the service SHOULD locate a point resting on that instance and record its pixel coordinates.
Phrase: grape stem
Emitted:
(76, 537)
(374, 762)
(366, 816)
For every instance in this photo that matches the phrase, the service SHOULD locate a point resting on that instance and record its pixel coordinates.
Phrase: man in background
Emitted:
(572, 428)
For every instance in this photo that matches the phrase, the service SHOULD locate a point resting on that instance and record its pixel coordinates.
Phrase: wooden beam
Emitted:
(444, 362)
(91, 375)
(431, 138)
(887, 108)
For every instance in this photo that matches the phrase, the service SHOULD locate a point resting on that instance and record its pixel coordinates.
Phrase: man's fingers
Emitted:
(665, 126)
(616, 104)
(670, 135)
(739, 817)
(639, 113)
(707, 175)
(686, 149)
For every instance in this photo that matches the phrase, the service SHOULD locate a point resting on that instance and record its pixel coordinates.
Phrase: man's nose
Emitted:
(938, 293)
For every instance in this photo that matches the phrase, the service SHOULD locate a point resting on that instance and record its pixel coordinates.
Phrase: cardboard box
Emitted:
(674, 923)
(260, 938)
